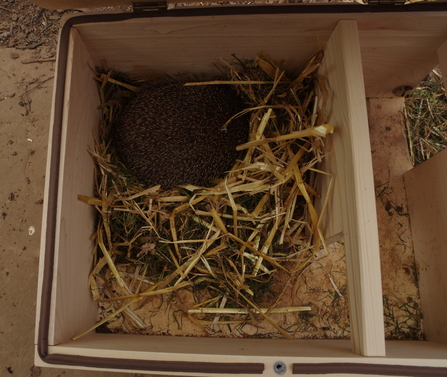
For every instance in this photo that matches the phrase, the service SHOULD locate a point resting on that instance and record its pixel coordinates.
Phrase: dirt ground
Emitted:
(25, 103)
(28, 38)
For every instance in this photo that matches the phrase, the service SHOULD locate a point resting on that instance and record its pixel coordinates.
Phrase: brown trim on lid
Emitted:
(157, 366)
(285, 8)
(309, 8)
(47, 280)
(376, 369)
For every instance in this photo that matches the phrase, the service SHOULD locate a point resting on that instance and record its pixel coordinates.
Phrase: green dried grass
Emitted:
(426, 118)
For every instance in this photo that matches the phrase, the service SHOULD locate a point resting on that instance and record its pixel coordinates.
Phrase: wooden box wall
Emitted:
(368, 52)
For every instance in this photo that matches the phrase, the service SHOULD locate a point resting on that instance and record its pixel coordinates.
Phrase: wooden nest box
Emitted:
(370, 50)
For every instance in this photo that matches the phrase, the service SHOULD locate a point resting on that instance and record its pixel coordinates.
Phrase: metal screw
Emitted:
(279, 367)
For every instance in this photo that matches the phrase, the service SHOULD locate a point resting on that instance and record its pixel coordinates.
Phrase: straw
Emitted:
(150, 242)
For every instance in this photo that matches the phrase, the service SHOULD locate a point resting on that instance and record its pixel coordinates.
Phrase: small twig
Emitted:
(41, 60)
(36, 87)
(30, 46)
(335, 287)
(221, 306)
(291, 309)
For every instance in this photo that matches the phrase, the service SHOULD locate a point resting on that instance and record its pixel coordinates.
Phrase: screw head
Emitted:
(279, 367)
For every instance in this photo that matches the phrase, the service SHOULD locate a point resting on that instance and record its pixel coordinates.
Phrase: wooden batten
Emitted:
(350, 164)
(75, 220)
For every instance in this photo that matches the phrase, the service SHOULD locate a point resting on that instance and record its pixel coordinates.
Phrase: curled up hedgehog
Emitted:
(171, 134)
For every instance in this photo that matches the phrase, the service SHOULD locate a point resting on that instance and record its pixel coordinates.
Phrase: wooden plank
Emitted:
(45, 212)
(166, 349)
(352, 166)
(75, 220)
(176, 40)
(427, 200)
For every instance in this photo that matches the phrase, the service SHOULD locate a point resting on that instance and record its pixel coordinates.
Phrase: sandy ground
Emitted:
(25, 105)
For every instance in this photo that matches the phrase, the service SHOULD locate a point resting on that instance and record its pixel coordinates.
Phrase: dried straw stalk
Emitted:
(226, 242)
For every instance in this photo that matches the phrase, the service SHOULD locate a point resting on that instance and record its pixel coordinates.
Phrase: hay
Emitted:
(426, 118)
(227, 244)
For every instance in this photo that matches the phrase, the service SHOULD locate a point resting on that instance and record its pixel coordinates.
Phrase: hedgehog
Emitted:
(170, 134)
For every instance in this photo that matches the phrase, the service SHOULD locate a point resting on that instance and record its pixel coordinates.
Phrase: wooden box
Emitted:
(369, 51)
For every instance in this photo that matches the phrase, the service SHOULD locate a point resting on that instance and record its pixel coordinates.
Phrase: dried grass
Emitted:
(426, 118)
(225, 243)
